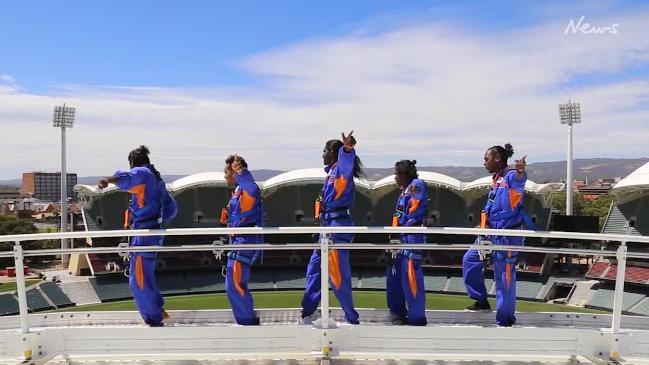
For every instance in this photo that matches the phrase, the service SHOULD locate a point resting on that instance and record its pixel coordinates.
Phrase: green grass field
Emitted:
(5, 287)
(291, 299)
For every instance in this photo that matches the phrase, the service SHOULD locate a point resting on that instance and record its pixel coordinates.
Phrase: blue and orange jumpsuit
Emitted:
(504, 210)
(337, 199)
(405, 291)
(244, 210)
(144, 213)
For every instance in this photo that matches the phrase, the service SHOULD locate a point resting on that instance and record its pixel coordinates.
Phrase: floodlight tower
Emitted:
(64, 118)
(569, 114)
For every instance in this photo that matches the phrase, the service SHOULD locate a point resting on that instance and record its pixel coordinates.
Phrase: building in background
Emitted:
(11, 193)
(46, 186)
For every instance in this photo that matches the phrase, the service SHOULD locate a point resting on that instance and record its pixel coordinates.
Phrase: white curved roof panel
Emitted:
(305, 175)
(637, 180)
(201, 179)
(428, 176)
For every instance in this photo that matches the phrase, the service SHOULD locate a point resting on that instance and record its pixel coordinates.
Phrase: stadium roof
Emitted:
(90, 190)
(429, 177)
(305, 175)
(530, 185)
(196, 180)
(637, 180)
(317, 175)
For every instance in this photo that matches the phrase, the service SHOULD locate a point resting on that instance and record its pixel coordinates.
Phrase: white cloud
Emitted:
(434, 92)
(6, 79)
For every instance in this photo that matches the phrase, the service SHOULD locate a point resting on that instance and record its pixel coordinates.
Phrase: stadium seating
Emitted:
(373, 278)
(261, 278)
(603, 298)
(36, 302)
(56, 295)
(8, 305)
(641, 308)
(201, 281)
(291, 278)
(634, 274)
(532, 262)
(111, 287)
(597, 269)
(527, 289)
(451, 259)
(455, 285)
(607, 271)
(434, 282)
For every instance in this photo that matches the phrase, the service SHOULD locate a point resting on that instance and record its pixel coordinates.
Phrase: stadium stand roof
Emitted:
(636, 181)
(90, 190)
(190, 181)
(429, 177)
(304, 175)
(318, 175)
(195, 180)
(530, 186)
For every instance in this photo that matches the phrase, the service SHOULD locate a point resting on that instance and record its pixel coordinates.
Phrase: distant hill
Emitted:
(540, 172)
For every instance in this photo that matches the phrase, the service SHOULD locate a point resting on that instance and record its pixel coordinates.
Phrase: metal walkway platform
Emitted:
(210, 337)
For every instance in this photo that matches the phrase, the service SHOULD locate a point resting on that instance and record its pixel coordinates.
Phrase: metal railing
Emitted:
(324, 246)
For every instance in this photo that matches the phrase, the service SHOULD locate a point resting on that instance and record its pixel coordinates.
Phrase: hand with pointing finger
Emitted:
(520, 165)
(237, 166)
(348, 141)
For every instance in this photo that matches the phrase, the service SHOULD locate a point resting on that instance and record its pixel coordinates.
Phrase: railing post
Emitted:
(20, 287)
(618, 300)
(22, 300)
(324, 279)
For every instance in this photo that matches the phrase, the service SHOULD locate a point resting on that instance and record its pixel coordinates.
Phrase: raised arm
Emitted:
(250, 193)
(416, 209)
(347, 155)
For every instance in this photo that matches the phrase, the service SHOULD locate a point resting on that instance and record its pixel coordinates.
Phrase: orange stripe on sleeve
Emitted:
(334, 269)
(339, 185)
(514, 198)
(414, 204)
(246, 202)
(138, 190)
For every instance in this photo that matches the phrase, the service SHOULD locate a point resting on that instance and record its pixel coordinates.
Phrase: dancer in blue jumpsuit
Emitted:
(504, 210)
(405, 291)
(244, 210)
(342, 165)
(151, 207)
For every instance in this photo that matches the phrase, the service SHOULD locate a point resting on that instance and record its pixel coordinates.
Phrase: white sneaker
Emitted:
(305, 320)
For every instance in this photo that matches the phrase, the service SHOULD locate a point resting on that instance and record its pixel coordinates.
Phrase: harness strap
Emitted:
(241, 258)
(411, 255)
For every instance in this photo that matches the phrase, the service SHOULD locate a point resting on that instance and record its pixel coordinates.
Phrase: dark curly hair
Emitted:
(407, 167)
(504, 152)
(140, 157)
(233, 158)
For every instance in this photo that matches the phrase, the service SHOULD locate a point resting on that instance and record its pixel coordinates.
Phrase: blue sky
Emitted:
(201, 43)
(279, 71)
(132, 43)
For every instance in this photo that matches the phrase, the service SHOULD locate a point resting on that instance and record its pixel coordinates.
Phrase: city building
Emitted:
(46, 186)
